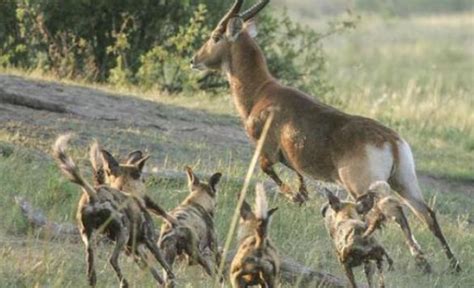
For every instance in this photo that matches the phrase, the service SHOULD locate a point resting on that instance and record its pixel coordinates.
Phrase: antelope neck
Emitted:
(247, 73)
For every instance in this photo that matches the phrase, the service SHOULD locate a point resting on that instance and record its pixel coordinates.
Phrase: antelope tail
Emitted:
(68, 167)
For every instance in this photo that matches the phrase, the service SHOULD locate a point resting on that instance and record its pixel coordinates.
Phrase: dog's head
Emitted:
(258, 221)
(335, 210)
(203, 193)
(125, 176)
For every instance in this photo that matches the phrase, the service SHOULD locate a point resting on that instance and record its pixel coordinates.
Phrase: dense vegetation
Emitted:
(145, 43)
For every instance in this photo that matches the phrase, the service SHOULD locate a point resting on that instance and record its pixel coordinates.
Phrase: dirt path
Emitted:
(33, 113)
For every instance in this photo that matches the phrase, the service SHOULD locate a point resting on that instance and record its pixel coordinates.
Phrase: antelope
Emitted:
(117, 214)
(308, 136)
(256, 261)
(353, 246)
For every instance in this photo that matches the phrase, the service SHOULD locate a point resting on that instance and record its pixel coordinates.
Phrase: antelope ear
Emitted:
(111, 166)
(246, 211)
(192, 179)
(251, 28)
(365, 202)
(234, 28)
(334, 202)
(214, 180)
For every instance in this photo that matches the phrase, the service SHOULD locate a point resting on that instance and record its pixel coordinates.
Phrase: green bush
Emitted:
(146, 43)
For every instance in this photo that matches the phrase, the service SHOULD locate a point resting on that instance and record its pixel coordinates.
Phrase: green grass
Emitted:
(415, 75)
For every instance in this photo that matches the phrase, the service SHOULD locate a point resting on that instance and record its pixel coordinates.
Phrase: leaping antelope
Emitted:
(310, 137)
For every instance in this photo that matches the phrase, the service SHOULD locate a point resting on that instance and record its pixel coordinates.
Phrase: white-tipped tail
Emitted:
(67, 165)
(380, 187)
(261, 205)
(94, 155)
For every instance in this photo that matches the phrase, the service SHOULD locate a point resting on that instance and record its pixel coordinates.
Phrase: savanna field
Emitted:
(414, 74)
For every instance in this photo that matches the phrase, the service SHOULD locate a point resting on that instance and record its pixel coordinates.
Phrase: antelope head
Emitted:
(216, 52)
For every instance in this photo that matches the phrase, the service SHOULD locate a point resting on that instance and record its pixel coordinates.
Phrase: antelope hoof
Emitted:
(92, 279)
(423, 265)
(170, 283)
(123, 284)
(299, 198)
(455, 266)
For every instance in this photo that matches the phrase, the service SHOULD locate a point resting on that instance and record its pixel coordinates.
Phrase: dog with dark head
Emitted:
(353, 247)
(117, 214)
(194, 234)
(256, 261)
(109, 171)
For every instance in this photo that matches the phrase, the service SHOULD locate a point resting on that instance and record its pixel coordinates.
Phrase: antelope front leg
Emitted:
(266, 166)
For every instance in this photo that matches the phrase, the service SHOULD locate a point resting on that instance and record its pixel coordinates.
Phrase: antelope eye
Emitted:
(216, 38)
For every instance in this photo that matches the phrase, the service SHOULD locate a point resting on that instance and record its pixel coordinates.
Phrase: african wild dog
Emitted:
(194, 232)
(110, 172)
(117, 214)
(353, 248)
(256, 261)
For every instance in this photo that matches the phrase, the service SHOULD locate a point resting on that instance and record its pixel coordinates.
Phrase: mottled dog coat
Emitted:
(119, 215)
(194, 232)
(256, 261)
(353, 248)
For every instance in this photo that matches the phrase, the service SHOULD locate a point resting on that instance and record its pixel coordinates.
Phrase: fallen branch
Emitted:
(21, 100)
(46, 228)
(292, 272)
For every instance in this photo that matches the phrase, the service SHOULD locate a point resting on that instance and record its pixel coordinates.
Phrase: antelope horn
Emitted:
(252, 11)
(232, 12)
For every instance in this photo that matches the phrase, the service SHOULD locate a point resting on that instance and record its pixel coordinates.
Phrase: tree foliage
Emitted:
(143, 42)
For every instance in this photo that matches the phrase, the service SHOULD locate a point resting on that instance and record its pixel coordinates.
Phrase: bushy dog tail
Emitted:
(68, 167)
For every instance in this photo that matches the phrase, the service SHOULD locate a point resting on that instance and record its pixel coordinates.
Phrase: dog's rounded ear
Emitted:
(333, 200)
(192, 178)
(271, 211)
(111, 166)
(365, 202)
(246, 211)
(141, 163)
(324, 209)
(134, 157)
(214, 180)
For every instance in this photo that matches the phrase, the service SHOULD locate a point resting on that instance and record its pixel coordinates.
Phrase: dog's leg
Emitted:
(380, 270)
(237, 280)
(145, 258)
(151, 245)
(86, 236)
(269, 280)
(369, 272)
(350, 276)
(168, 246)
(120, 242)
(192, 249)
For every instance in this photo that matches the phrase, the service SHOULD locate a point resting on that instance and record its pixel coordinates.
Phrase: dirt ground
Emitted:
(33, 113)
